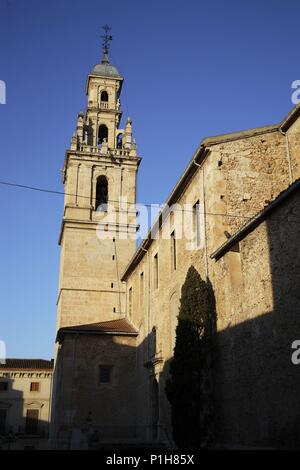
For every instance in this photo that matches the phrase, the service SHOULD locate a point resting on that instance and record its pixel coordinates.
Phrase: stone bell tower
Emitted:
(94, 382)
(100, 170)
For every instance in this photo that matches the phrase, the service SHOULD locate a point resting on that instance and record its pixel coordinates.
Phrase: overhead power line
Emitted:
(121, 202)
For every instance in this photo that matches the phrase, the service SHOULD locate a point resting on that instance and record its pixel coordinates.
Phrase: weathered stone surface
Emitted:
(90, 290)
(257, 166)
(234, 177)
(84, 403)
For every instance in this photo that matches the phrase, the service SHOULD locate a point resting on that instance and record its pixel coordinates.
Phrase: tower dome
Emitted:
(105, 69)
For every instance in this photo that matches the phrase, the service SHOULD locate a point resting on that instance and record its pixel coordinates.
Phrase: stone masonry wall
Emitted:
(237, 179)
(256, 383)
(81, 395)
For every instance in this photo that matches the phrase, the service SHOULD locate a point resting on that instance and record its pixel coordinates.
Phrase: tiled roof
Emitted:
(40, 364)
(117, 327)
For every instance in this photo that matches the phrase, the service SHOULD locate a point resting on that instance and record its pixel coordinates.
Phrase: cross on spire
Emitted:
(107, 38)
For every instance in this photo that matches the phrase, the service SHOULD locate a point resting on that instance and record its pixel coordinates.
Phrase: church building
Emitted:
(118, 306)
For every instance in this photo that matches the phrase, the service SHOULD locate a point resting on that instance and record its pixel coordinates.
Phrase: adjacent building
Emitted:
(25, 397)
(256, 380)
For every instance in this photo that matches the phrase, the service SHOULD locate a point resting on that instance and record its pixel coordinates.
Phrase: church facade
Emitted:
(118, 306)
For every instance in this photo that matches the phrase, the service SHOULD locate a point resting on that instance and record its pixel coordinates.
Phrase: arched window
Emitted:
(104, 96)
(101, 193)
(102, 134)
(88, 133)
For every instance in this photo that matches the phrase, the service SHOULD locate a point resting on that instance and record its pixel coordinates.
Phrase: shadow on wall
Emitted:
(207, 380)
(95, 392)
(123, 411)
(257, 385)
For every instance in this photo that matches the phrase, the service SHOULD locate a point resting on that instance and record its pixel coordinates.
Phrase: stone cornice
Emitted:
(89, 290)
(78, 155)
(92, 225)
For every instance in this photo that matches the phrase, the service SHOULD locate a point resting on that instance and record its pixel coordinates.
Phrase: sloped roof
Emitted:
(36, 364)
(111, 327)
(256, 220)
(290, 118)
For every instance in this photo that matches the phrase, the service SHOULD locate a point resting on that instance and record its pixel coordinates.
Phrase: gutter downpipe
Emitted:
(148, 336)
(288, 153)
(148, 299)
(204, 216)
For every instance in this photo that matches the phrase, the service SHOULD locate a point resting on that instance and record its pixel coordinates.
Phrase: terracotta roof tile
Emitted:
(118, 327)
(40, 364)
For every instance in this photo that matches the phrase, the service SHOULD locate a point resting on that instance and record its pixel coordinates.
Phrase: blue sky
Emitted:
(191, 69)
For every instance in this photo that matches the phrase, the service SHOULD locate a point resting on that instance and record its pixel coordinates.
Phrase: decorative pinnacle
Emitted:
(107, 38)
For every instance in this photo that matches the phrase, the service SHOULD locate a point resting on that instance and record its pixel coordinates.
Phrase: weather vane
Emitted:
(106, 39)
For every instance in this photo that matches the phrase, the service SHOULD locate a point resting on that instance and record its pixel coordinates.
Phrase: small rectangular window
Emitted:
(35, 386)
(173, 251)
(141, 287)
(130, 301)
(105, 374)
(155, 271)
(3, 386)
(196, 223)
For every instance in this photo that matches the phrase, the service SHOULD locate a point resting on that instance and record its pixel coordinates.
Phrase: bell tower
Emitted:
(100, 170)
